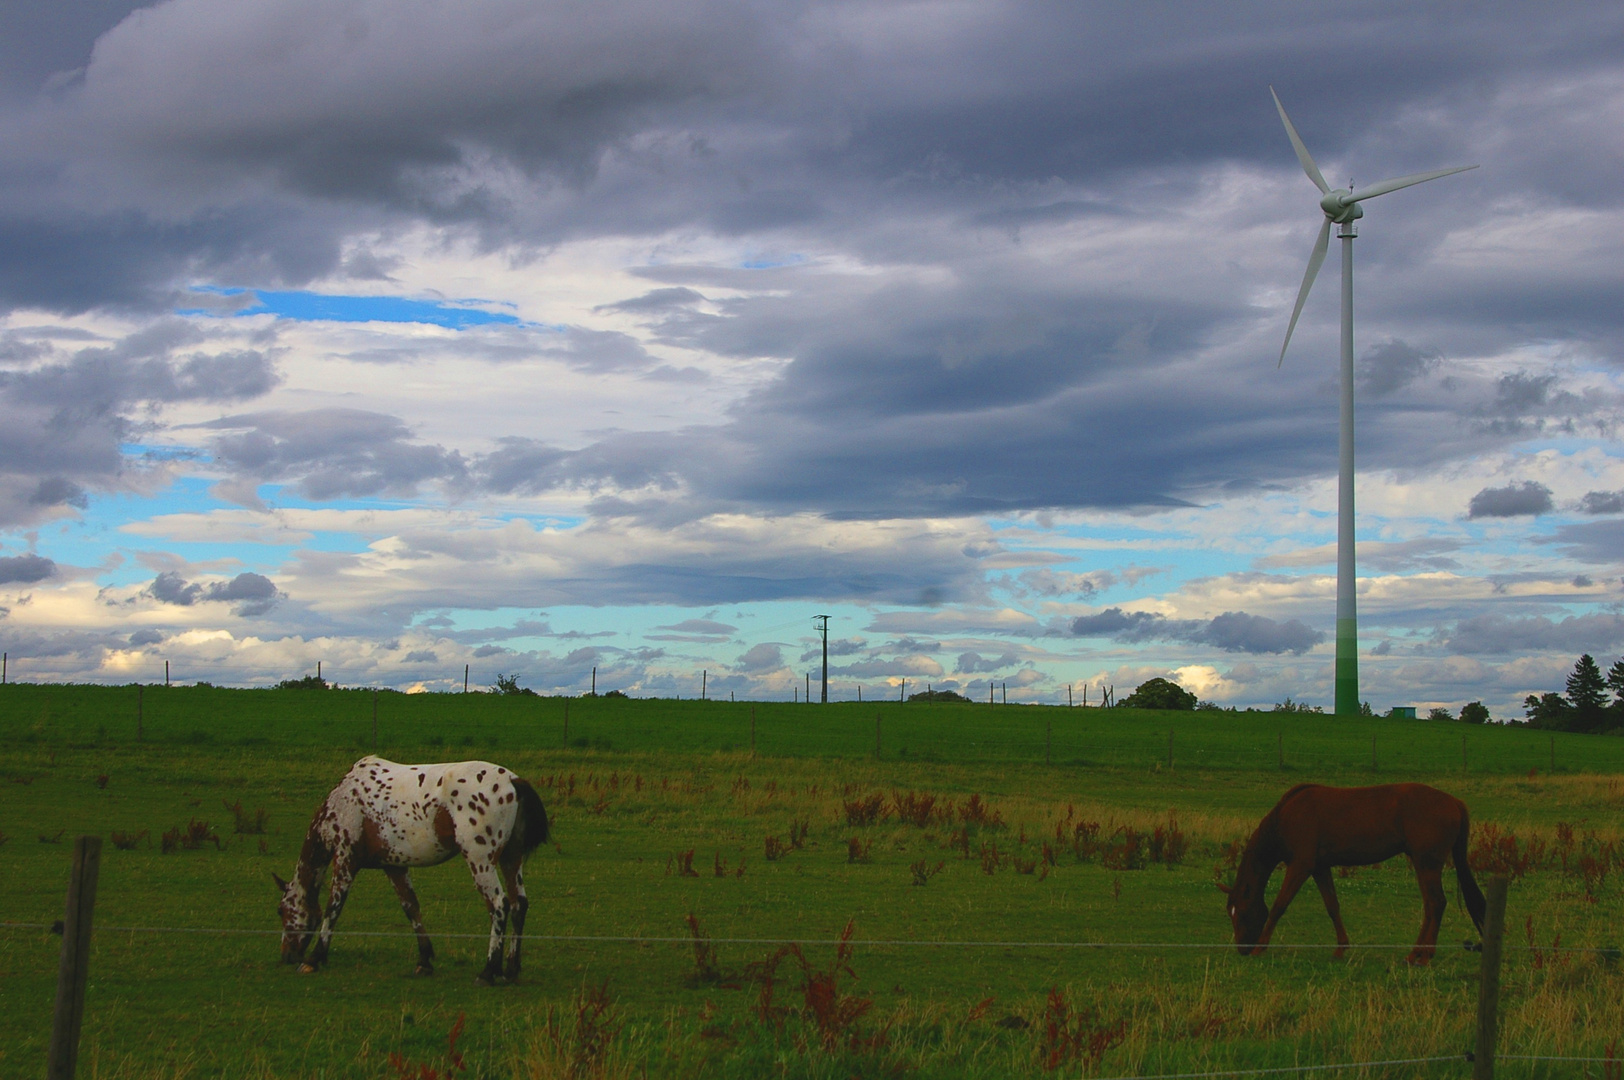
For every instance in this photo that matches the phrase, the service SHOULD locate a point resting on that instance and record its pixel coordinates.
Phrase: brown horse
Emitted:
(1313, 828)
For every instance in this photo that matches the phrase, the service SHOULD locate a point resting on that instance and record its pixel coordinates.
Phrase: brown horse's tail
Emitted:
(534, 829)
(1476, 906)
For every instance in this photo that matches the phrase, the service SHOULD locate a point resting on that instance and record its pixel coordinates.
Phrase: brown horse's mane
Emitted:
(1267, 833)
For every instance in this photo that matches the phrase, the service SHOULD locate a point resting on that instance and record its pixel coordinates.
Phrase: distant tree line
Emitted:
(1588, 706)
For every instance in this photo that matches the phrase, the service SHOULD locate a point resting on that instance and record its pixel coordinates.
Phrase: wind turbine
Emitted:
(1341, 207)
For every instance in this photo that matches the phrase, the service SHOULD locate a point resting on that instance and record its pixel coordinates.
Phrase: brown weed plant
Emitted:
(126, 841)
(582, 1046)
(191, 836)
(243, 821)
(867, 810)
(1070, 1034)
(857, 851)
(923, 871)
(409, 1070)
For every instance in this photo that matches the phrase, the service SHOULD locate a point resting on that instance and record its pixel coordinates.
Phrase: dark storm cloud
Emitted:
(1233, 631)
(1503, 634)
(656, 301)
(25, 569)
(1590, 542)
(1529, 498)
(1393, 366)
(329, 453)
(253, 594)
(837, 647)
(1602, 502)
(970, 663)
(759, 659)
(887, 142)
(64, 415)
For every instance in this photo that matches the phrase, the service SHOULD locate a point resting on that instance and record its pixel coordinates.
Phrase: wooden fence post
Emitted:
(1488, 991)
(75, 967)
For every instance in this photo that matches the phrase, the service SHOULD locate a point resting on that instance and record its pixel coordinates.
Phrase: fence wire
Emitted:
(641, 939)
(1295, 1068)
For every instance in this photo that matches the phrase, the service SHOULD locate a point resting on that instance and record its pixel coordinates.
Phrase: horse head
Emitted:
(299, 913)
(1247, 911)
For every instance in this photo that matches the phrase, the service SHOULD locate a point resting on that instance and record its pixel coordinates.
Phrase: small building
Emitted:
(1403, 712)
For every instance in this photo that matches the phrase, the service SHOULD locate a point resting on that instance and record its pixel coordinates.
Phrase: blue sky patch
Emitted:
(313, 307)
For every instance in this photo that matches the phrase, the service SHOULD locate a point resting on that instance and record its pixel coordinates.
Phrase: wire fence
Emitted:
(926, 943)
(1610, 1062)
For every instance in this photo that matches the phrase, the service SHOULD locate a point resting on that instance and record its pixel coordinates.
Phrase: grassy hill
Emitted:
(957, 976)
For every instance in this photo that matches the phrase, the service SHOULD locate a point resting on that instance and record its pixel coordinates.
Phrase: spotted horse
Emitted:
(392, 817)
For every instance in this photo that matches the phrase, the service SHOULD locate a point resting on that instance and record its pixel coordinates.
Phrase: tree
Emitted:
(1159, 694)
(938, 695)
(1549, 711)
(1615, 680)
(509, 684)
(1439, 714)
(1474, 712)
(309, 682)
(1587, 693)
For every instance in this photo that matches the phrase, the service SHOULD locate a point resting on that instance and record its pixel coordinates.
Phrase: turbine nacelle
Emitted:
(1340, 206)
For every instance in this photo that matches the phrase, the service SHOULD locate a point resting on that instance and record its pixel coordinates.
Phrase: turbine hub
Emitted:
(1339, 208)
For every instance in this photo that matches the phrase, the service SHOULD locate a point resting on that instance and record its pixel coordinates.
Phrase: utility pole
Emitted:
(594, 680)
(823, 631)
(704, 678)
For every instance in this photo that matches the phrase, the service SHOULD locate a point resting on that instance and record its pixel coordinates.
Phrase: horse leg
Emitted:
(1333, 908)
(402, 881)
(1296, 874)
(1431, 880)
(489, 883)
(343, 878)
(518, 905)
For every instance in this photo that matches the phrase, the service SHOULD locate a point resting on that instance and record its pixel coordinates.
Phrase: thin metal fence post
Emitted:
(1488, 991)
(74, 970)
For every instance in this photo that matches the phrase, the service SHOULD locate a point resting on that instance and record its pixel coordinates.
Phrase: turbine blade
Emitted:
(1385, 186)
(1297, 144)
(1314, 261)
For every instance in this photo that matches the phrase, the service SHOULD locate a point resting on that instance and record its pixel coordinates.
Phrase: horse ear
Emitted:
(281, 886)
(1221, 887)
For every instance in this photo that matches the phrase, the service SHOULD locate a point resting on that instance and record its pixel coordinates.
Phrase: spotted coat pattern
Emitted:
(392, 817)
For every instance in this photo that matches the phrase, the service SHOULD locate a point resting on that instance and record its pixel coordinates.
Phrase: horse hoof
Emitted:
(424, 970)
(306, 969)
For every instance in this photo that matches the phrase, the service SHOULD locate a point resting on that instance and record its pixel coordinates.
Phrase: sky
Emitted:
(538, 337)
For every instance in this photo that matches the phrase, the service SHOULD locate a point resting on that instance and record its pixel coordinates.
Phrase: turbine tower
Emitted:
(1341, 207)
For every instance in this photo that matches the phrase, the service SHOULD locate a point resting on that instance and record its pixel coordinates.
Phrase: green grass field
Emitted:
(653, 780)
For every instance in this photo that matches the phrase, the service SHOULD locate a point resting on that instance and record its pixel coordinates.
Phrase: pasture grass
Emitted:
(658, 780)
